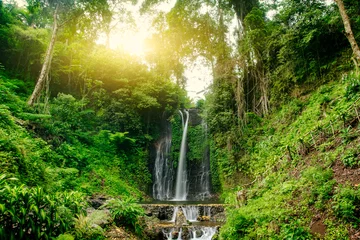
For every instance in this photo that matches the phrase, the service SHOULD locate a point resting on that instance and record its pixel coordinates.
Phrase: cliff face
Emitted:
(194, 117)
(198, 158)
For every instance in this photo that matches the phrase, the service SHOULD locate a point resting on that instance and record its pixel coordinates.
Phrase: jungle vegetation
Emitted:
(78, 119)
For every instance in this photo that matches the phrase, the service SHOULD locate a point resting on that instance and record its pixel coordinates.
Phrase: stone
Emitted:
(119, 233)
(203, 218)
(198, 233)
(100, 218)
(180, 219)
(97, 201)
(219, 217)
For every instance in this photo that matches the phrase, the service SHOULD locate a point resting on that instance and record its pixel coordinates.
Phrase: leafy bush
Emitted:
(350, 158)
(346, 204)
(30, 213)
(353, 85)
(320, 185)
(85, 230)
(126, 212)
(295, 230)
(65, 237)
(240, 227)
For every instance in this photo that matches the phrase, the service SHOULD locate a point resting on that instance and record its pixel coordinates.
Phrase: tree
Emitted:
(67, 11)
(46, 65)
(348, 31)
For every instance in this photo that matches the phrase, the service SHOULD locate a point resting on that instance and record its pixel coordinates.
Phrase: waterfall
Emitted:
(181, 178)
(182, 118)
(205, 233)
(194, 233)
(163, 170)
(191, 213)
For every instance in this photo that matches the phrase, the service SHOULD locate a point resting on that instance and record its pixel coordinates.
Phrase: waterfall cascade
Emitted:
(181, 177)
(198, 221)
(195, 233)
(163, 170)
(192, 214)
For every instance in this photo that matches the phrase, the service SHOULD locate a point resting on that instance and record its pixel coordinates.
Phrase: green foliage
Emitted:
(350, 158)
(295, 230)
(240, 227)
(127, 213)
(346, 203)
(285, 166)
(176, 136)
(32, 213)
(197, 143)
(320, 185)
(353, 85)
(65, 237)
(85, 229)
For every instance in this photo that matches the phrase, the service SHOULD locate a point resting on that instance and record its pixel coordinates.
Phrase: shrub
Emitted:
(350, 158)
(126, 212)
(295, 230)
(353, 86)
(346, 204)
(30, 213)
(320, 183)
(240, 226)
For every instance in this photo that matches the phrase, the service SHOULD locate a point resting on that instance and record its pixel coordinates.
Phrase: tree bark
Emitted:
(348, 32)
(46, 65)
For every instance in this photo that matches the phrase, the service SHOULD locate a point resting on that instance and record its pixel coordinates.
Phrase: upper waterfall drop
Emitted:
(181, 178)
(182, 119)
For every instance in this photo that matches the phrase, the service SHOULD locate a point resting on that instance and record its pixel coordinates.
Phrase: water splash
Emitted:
(195, 233)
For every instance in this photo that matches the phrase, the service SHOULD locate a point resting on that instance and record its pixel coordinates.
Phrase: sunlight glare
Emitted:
(130, 42)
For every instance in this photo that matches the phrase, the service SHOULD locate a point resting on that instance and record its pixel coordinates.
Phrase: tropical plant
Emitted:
(127, 213)
(32, 213)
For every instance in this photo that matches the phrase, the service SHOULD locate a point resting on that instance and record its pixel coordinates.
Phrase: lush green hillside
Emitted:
(299, 169)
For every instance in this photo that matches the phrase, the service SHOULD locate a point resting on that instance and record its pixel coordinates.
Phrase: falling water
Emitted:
(195, 233)
(191, 213)
(163, 171)
(182, 118)
(181, 178)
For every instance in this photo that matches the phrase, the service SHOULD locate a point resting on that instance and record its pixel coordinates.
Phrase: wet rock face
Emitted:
(162, 212)
(166, 211)
(194, 117)
(97, 201)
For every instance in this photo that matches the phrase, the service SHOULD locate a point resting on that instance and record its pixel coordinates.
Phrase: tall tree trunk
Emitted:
(348, 32)
(46, 65)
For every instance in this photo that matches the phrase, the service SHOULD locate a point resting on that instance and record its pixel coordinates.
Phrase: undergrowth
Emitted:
(60, 158)
(289, 155)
